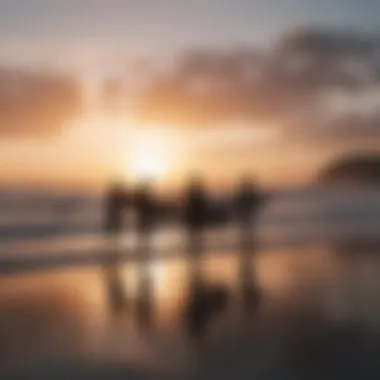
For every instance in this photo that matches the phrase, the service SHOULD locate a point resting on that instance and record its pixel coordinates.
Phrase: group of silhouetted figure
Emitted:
(204, 301)
(193, 211)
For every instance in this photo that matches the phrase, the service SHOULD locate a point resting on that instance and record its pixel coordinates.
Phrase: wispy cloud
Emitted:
(35, 103)
(288, 85)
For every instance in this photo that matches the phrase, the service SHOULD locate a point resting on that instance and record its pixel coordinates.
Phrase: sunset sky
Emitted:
(93, 89)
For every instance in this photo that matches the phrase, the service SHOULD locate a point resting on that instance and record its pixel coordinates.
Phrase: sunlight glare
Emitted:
(150, 157)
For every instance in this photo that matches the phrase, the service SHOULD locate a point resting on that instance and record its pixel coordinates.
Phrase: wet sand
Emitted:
(305, 312)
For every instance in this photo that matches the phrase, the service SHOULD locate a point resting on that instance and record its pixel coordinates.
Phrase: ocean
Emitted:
(39, 225)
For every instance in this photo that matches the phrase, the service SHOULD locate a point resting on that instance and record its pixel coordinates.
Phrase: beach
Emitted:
(57, 306)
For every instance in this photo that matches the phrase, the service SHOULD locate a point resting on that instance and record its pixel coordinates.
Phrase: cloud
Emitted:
(285, 84)
(347, 128)
(34, 103)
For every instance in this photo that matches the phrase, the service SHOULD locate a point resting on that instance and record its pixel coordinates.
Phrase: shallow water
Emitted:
(69, 314)
(309, 215)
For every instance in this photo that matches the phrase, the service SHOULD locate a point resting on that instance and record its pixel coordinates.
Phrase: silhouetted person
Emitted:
(145, 210)
(116, 201)
(195, 214)
(247, 202)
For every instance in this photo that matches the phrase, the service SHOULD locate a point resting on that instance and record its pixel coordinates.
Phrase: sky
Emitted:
(195, 21)
(149, 26)
(55, 56)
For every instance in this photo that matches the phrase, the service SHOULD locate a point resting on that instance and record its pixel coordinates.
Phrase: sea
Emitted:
(33, 223)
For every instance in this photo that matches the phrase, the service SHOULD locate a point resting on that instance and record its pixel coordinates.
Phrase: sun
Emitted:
(150, 156)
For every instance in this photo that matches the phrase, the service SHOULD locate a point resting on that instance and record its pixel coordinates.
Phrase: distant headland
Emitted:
(361, 169)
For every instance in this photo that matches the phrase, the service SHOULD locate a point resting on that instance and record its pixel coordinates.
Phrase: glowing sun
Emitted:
(150, 157)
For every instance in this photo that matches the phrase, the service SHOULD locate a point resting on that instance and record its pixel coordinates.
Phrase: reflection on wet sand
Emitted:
(145, 303)
(249, 288)
(48, 315)
(319, 291)
(116, 295)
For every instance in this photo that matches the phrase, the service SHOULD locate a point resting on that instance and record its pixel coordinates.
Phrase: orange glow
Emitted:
(151, 157)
